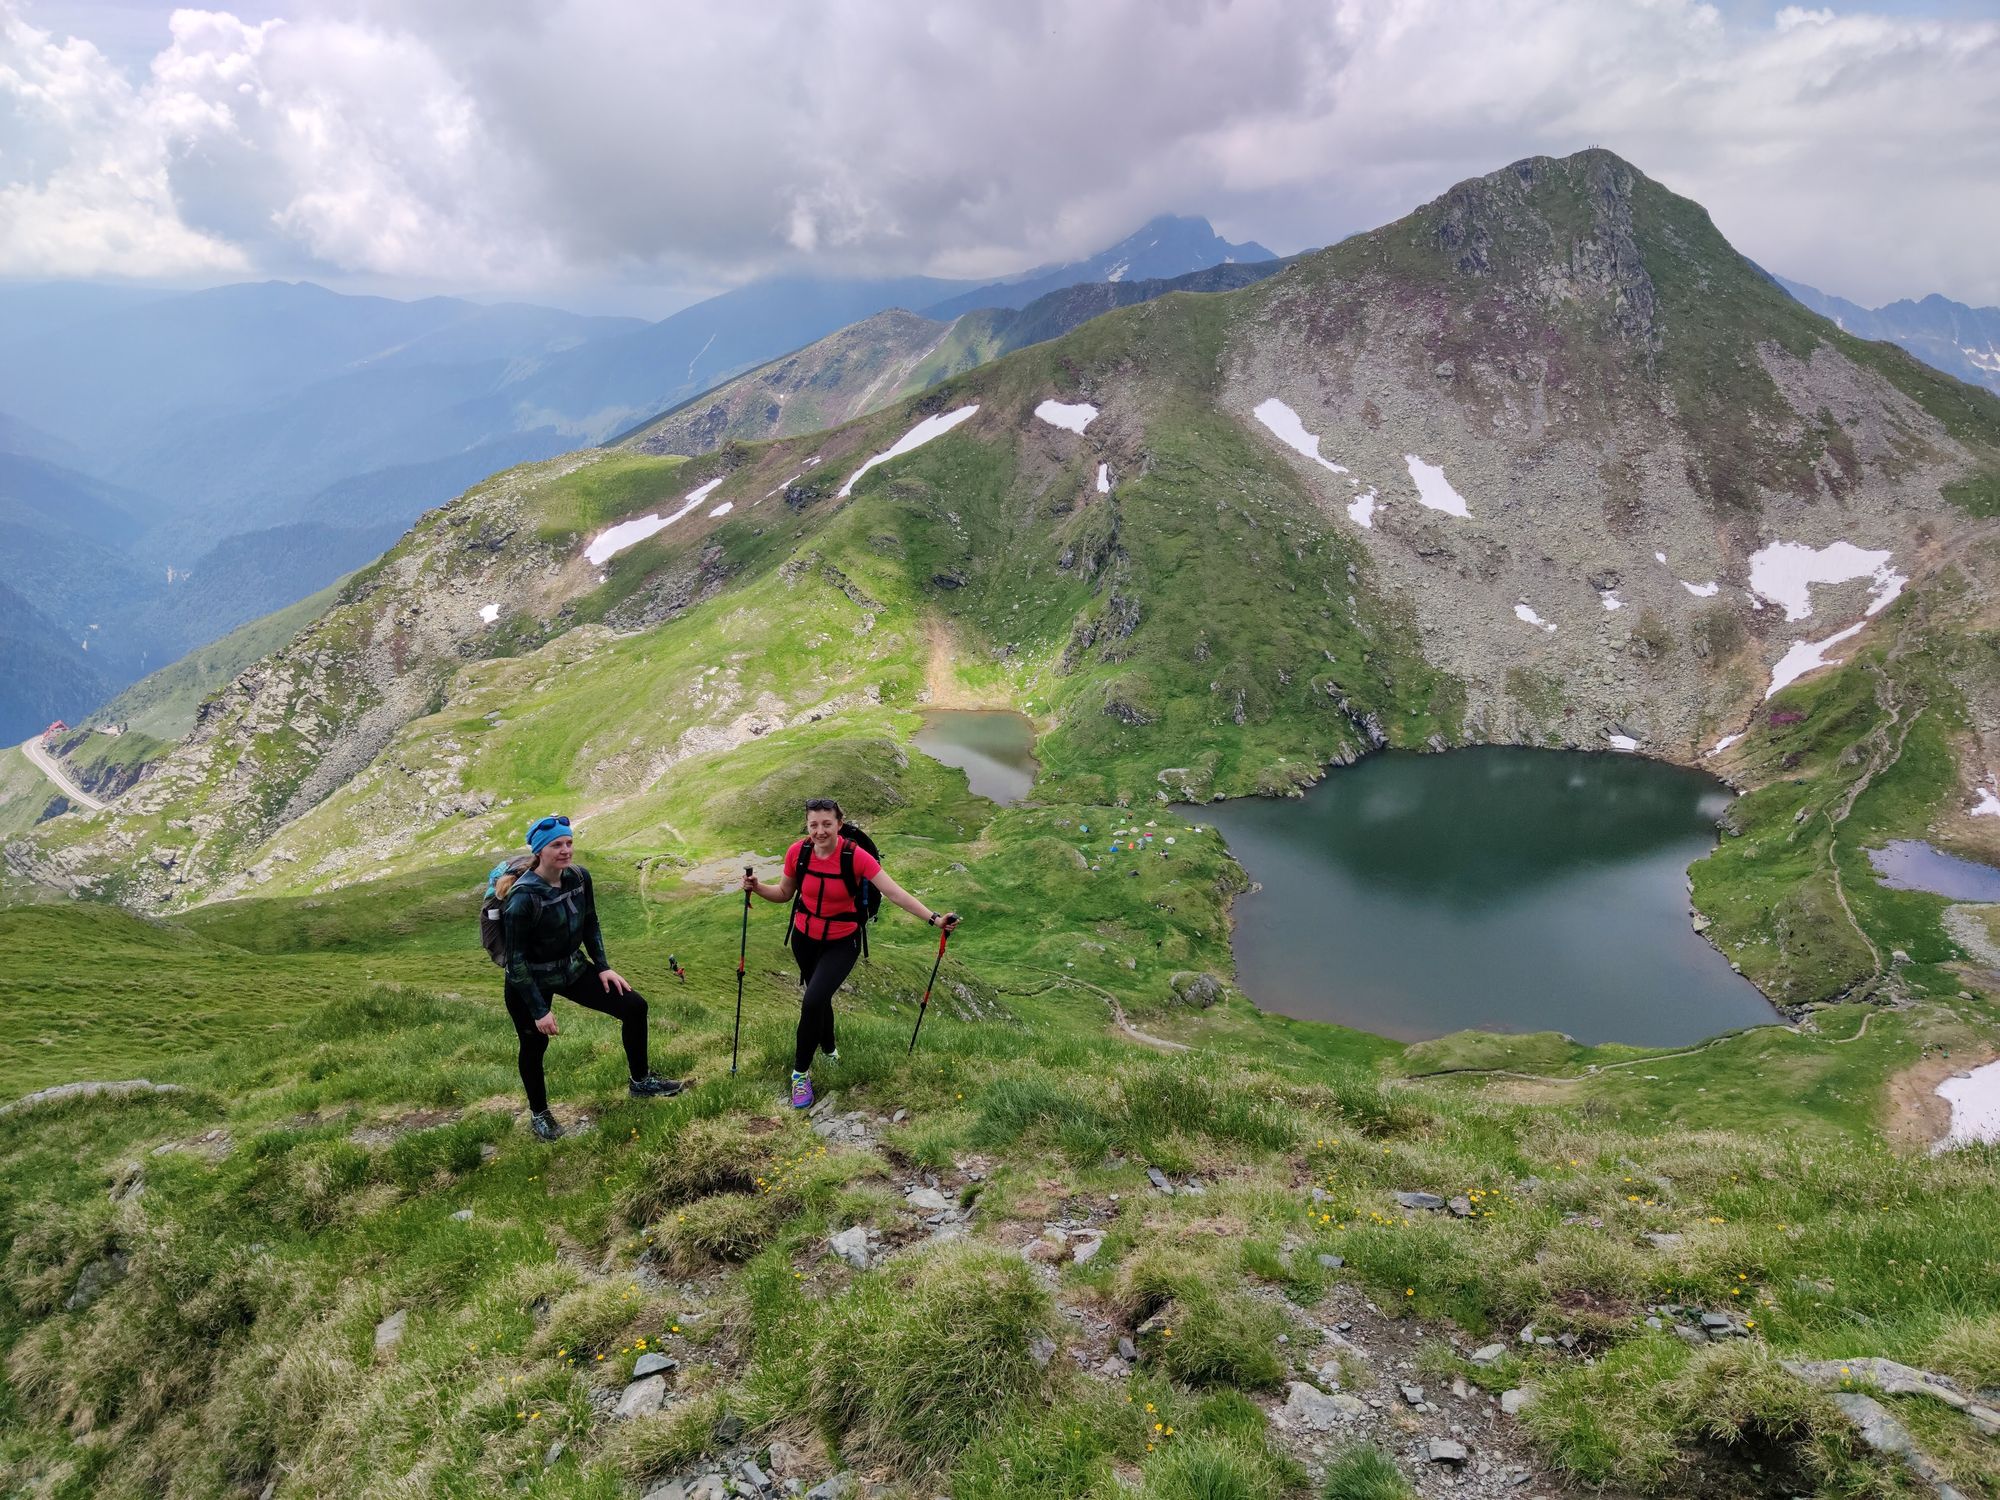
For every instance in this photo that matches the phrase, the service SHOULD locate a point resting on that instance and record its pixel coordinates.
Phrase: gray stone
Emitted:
(1193, 1189)
(1714, 1320)
(836, 1488)
(1430, 1202)
(786, 1458)
(1332, 1262)
(1315, 1409)
(1566, 1340)
(1084, 1252)
(752, 1475)
(927, 1199)
(1445, 1451)
(674, 1490)
(653, 1364)
(899, 1116)
(1516, 1401)
(850, 1245)
(1159, 1181)
(1488, 1354)
(728, 1428)
(1414, 1394)
(1662, 1240)
(464, 1216)
(1041, 1351)
(95, 1279)
(389, 1332)
(556, 1450)
(642, 1398)
(1114, 1367)
(1527, 1335)
(1460, 1206)
(1127, 1350)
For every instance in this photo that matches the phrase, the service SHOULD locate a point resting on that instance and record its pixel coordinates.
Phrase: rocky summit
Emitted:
(1544, 463)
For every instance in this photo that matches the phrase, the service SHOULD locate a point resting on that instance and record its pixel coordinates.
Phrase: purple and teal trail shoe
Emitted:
(802, 1090)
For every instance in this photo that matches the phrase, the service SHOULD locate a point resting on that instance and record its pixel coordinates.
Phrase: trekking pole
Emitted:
(742, 951)
(924, 1004)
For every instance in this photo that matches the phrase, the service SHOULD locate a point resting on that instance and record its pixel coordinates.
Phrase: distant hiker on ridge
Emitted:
(828, 875)
(547, 913)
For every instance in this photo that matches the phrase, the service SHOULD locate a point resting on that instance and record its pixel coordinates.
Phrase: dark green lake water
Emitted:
(994, 747)
(1497, 888)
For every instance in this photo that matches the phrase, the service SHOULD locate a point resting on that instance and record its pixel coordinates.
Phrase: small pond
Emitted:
(994, 747)
(1913, 865)
(1497, 888)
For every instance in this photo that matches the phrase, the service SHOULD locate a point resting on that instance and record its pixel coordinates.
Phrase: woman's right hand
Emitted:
(750, 882)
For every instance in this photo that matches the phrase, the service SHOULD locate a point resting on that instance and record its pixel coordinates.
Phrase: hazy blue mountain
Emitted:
(44, 674)
(1949, 336)
(1171, 245)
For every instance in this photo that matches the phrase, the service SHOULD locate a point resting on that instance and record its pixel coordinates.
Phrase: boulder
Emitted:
(1445, 1451)
(642, 1398)
(389, 1332)
(1429, 1202)
(1313, 1408)
(851, 1245)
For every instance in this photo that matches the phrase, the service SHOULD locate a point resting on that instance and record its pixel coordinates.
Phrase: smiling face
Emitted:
(822, 827)
(555, 857)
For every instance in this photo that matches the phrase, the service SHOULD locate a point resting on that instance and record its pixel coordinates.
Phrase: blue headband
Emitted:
(545, 831)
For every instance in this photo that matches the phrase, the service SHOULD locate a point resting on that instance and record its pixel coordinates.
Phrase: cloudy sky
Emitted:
(630, 154)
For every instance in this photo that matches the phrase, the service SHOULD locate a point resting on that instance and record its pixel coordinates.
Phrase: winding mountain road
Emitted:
(32, 748)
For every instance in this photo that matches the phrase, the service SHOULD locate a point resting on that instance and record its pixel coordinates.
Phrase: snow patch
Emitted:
(1073, 416)
(609, 543)
(1784, 573)
(1808, 656)
(1286, 427)
(915, 438)
(489, 612)
(1723, 744)
(810, 462)
(1361, 510)
(1117, 272)
(1433, 489)
(1527, 616)
(1660, 558)
(1701, 590)
(1986, 805)
(1975, 1107)
(1624, 743)
(783, 487)
(1609, 599)
(723, 509)
(1104, 479)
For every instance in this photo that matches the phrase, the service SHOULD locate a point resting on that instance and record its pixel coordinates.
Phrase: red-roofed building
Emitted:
(52, 733)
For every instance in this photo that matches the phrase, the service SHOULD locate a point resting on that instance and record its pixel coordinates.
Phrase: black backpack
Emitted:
(866, 897)
(492, 931)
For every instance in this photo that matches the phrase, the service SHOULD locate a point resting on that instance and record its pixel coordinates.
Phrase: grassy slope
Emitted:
(163, 705)
(1834, 1247)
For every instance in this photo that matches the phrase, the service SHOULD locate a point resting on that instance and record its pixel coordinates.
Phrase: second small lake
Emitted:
(994, 747)
(1493, 888)
(1913, 865)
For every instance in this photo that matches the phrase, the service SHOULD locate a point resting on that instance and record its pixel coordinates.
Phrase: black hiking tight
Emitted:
(629, 1009)
(824, 963)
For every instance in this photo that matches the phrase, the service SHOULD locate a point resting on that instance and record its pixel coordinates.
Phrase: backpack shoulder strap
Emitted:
(850, 880)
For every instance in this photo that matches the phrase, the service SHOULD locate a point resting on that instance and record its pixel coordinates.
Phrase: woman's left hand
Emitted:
(613, 981)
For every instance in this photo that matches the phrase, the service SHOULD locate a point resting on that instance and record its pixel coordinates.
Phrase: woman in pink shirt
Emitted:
(826, 872)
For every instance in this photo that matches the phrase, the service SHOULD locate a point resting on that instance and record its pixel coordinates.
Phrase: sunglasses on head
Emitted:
(552, 821)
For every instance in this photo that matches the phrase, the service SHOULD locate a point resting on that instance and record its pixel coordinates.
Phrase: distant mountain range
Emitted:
(173, 465)
(1959, 340)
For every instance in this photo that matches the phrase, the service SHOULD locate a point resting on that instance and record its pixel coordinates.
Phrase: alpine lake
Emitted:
(1493, 888)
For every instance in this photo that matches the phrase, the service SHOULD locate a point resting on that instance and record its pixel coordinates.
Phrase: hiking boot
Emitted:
(544, 1125)
(834, 1057)
(802, 1091)
(652, 1086)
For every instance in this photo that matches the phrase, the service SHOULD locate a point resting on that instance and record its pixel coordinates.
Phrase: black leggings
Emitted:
(584, 989)
(823, 964)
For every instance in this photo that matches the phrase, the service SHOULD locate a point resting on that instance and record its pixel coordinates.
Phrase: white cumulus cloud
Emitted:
(537, 141)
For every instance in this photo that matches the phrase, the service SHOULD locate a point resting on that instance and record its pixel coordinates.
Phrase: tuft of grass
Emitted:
(1204, 1468)
(913, 1364)
(1968, 1350)
(1209, 1334)
(1366, 1473)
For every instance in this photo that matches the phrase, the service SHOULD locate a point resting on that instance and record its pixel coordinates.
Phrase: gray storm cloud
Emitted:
(506, 143)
